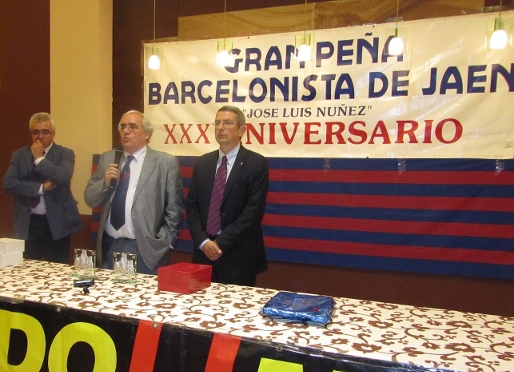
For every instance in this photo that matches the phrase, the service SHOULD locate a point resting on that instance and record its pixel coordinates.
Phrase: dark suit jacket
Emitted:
(242, 208)
(61, 208)
(158, 205)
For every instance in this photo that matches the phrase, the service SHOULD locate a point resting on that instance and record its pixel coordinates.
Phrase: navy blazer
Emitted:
(242, 209)
(61, 207)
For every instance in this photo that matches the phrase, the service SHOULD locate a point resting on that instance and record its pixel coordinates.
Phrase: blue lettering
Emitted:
(154, 93)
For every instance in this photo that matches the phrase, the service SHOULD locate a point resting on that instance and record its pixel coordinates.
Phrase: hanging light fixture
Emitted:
(396, 43)
(303, 43)
(224, 57)
(499, 37)
(154, 63)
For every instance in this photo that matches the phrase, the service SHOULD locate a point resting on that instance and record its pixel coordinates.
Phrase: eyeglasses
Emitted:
(131, 127)
(226, 123)
(44, 132)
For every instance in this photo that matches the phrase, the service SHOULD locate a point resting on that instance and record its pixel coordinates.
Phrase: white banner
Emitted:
(448, 96)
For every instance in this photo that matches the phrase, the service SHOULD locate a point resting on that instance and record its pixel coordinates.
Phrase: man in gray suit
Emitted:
(150, 195)
(39, 176)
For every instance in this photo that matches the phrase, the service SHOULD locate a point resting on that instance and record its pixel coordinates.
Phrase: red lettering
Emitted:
(184, 133)
(285, 134)
(457, 130)
(380, 131)
(402, 130)
(335, 128)
(361, 133)
(272, 140)
(309, 131)
(428, 131)
(259, 137)
(170, 134)
(203, 133)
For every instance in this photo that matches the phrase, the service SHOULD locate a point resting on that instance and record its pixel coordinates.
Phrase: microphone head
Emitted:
(118, 154)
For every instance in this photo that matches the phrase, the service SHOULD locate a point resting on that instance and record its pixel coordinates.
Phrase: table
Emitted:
(385, 335)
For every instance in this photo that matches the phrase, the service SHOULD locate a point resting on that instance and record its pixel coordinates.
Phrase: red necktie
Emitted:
(214, 218)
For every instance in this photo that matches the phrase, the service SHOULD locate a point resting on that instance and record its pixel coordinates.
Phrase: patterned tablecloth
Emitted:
(434, 338)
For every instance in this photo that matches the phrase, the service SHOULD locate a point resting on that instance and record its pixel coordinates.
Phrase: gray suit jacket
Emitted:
(158, 205)
(61, 208)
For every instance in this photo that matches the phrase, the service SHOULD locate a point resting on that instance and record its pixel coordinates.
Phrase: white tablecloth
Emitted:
(433, 338)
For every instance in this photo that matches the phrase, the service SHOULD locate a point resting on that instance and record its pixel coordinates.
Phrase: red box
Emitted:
(184, 277)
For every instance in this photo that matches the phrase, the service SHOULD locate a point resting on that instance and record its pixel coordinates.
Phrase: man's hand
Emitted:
(211, 250)
(37, 149)
(49, 185)
(111, 173)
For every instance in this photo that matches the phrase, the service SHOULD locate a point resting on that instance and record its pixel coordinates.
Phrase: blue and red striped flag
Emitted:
(437, 216)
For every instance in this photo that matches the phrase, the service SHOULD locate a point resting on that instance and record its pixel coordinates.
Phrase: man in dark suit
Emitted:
(153, 206)
(39, 176)
(235, 246)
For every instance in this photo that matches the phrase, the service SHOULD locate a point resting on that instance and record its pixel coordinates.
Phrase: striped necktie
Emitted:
(214, 217)
(120, 195)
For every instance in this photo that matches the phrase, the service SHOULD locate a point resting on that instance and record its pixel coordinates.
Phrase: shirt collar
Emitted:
(231, 156)
(45, 151)
(138, 155)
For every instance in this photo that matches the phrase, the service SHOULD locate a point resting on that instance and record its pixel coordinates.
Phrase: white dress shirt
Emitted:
(231, 158)
(127, 230)
(41, 207)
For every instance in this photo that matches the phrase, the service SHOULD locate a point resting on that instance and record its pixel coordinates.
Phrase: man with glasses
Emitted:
(141, 198)
(45, 211)
(224, 212)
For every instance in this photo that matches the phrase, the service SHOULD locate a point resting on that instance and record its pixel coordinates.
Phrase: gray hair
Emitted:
(41, 117)
(147, 126)
(241, 118)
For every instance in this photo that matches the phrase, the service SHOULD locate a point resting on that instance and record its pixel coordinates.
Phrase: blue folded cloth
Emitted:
(301, 307)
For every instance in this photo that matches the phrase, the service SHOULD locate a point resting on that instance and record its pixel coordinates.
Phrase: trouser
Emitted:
(40, 245)
(222, 274)
(124, 245)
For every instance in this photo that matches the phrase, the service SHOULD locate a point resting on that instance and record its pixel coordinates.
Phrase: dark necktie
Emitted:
(120, 195)
(36, 177)
(214, 217)
(35, 200)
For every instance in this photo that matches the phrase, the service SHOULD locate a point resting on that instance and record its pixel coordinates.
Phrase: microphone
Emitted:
(117, 160)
